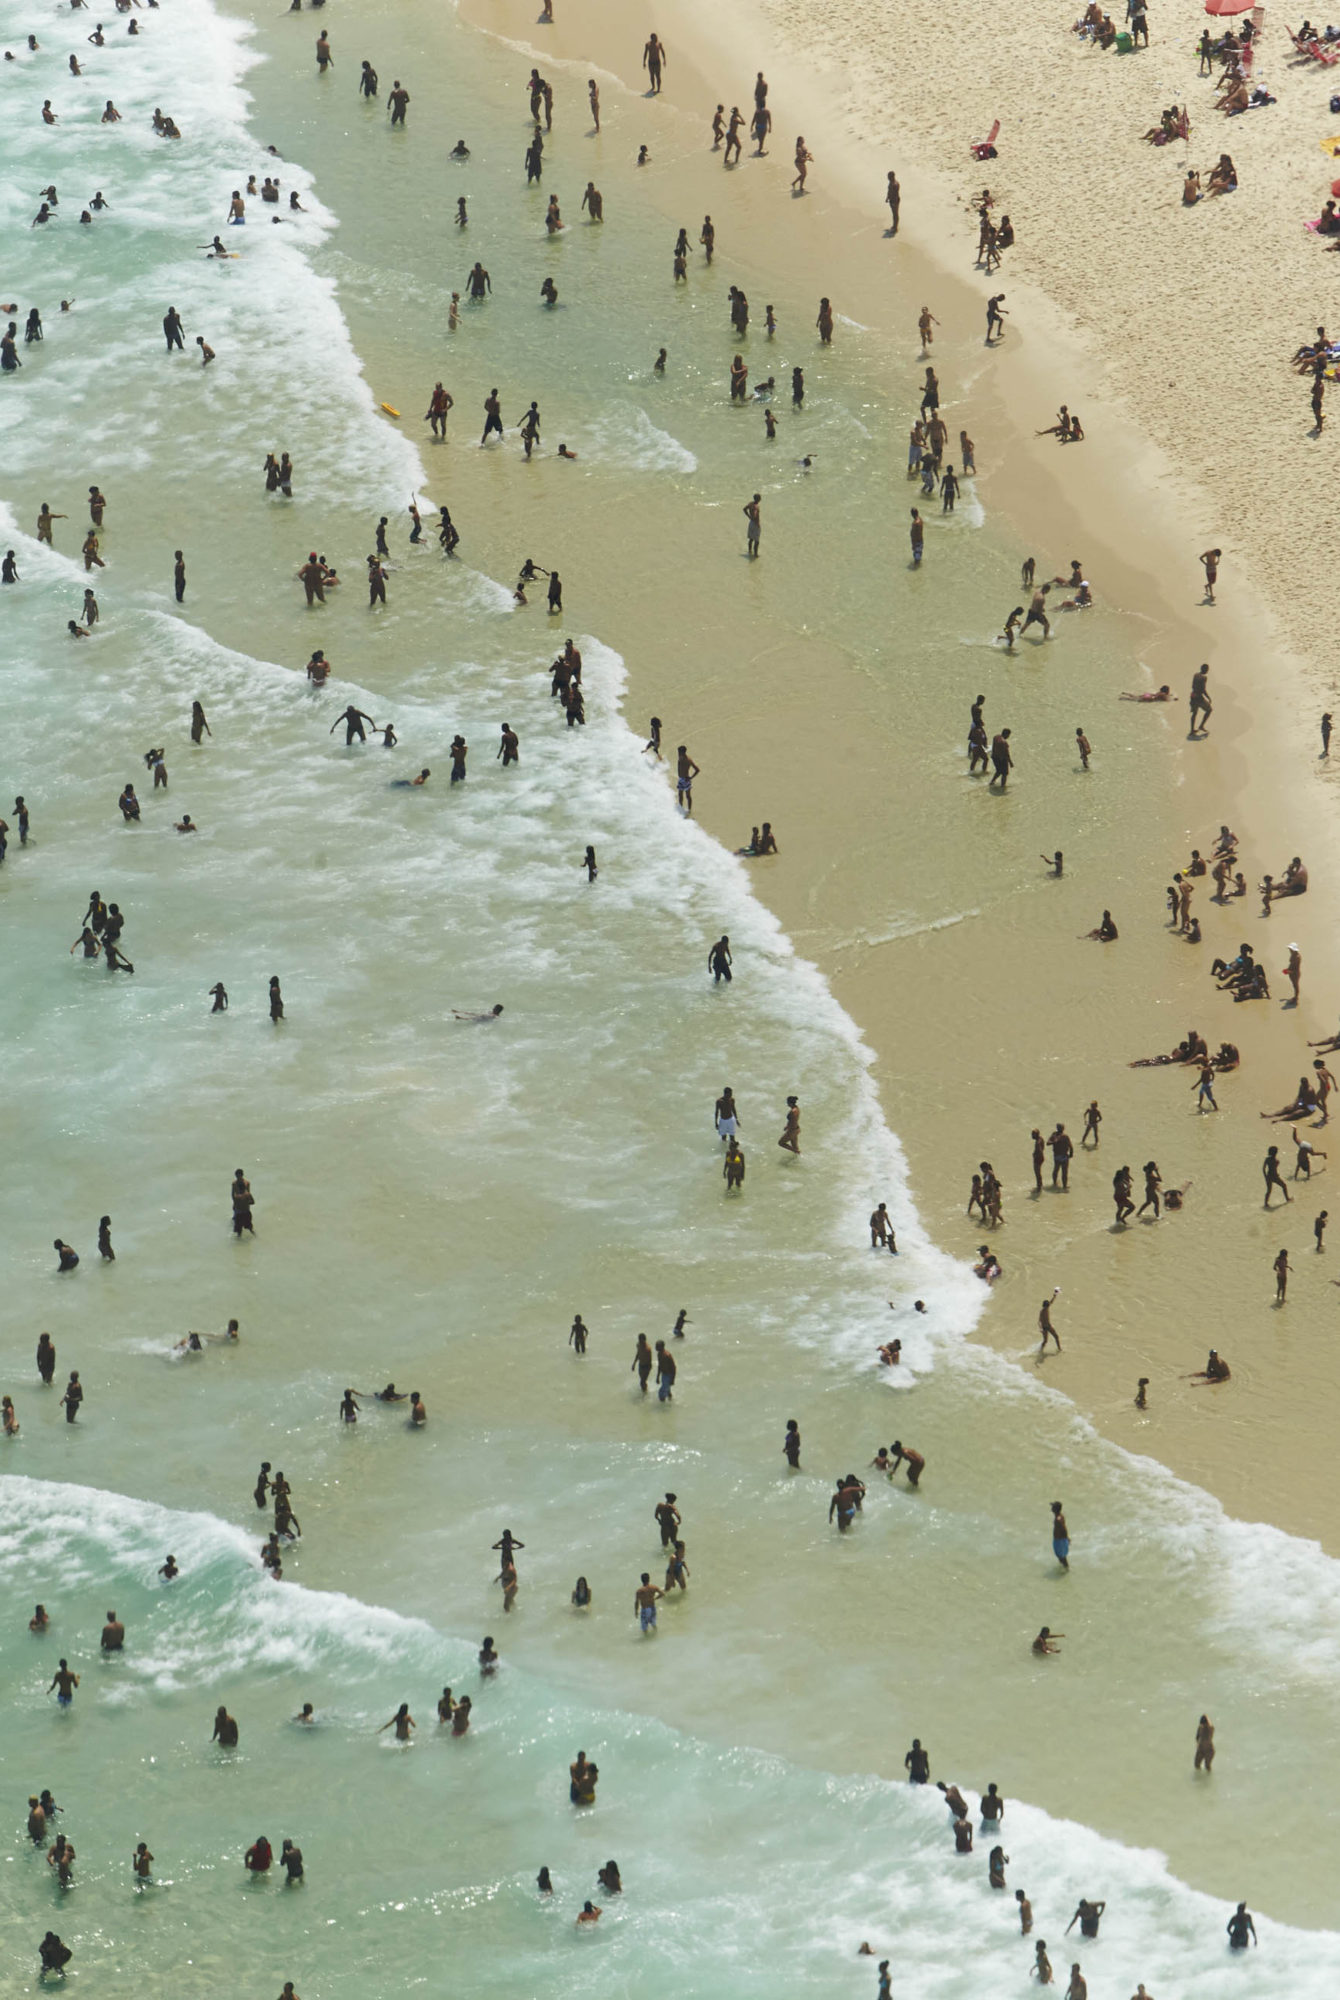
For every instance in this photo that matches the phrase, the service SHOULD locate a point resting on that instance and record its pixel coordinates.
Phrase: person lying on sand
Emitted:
(1164, 694)
(1304, 1102)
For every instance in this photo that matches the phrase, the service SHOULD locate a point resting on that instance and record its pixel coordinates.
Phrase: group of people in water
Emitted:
(101, 930)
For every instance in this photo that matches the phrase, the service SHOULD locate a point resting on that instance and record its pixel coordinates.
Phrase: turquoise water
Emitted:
(436, 1199)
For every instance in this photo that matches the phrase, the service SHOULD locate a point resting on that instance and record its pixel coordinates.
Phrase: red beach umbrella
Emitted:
(1229, 6)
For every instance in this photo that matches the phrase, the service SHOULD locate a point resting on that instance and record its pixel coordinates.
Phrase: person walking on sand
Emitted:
(1293, 972)
(1270, 1171)
(1210, 564)
(804, 158)
(1201, 705)
(1204, 1084)
(1153, 1182)
(995, 319)
(1045, 1327)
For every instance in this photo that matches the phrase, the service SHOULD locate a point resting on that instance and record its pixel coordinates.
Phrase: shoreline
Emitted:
(1123, 499)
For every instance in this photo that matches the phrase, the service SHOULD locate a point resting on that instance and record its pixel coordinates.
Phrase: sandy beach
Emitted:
(986, 1026)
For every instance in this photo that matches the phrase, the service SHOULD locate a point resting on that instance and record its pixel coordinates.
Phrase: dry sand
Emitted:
(981, 1028)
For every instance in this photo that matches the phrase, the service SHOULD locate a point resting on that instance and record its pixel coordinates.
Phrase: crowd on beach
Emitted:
(929, 444)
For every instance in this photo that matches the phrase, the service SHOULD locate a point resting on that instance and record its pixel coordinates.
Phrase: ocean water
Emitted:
(435, 1198)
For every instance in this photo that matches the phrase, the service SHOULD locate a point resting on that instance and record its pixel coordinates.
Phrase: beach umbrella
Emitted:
(1229, 6)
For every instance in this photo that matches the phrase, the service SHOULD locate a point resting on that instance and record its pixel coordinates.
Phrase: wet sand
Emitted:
(985, 1026)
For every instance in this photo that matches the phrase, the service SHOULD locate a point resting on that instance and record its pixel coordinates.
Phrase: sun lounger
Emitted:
(985, 149)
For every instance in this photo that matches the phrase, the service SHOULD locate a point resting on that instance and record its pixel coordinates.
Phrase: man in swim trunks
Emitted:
(1060, 1536)
(644, 1602)
(65, 1683)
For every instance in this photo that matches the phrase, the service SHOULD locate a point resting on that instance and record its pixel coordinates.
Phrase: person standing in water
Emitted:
(1045, 1327)
(1060, 1536)
(243, 1201)
(754, 526)
(644, 1602)
(1204, 1745)
(1241, 1930)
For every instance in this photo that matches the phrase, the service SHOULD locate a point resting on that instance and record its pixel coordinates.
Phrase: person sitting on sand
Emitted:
(1295, 880)
(1191, 189)
(1224, 178)
(1106, 931)
(1235, 969)
(1216, 1369)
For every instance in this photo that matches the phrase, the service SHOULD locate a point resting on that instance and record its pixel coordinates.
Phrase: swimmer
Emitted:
(492, 1014)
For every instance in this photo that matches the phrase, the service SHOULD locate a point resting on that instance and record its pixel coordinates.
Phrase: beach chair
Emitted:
(985, 149)
(1321, 55)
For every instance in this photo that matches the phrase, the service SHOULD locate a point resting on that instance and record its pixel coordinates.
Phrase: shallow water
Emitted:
(436, 1199)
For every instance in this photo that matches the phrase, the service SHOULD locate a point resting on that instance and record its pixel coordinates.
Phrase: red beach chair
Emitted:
(985, 149)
